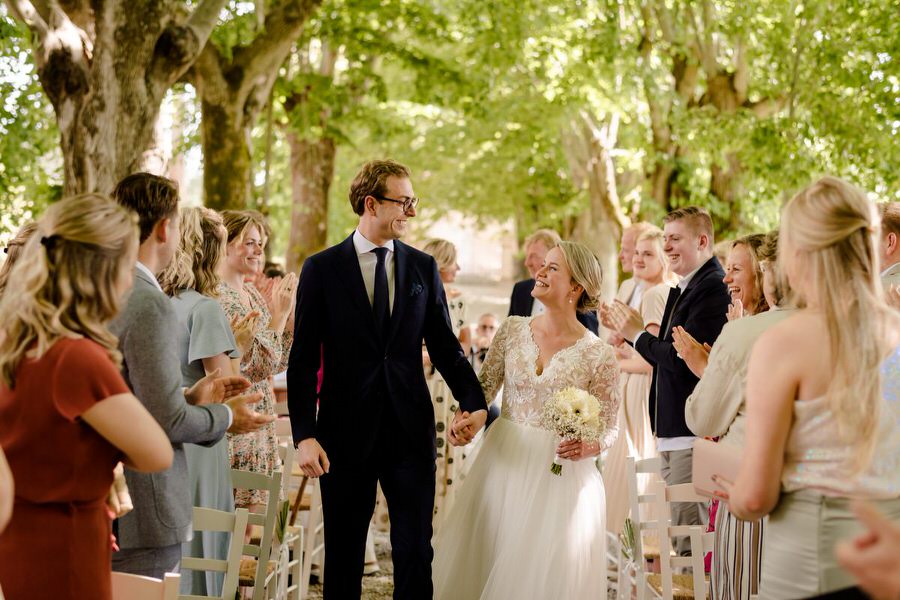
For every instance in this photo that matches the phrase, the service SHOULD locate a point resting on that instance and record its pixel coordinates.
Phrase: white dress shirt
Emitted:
(146, 271)
(537, 308)
(367, 263)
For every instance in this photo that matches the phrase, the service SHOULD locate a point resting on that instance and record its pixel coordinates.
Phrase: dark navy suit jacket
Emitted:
(521, 303)
(702, 310)
(363, 370)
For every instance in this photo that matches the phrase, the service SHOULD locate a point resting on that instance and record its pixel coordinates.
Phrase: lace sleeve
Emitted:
(605, 387)
(494, 367)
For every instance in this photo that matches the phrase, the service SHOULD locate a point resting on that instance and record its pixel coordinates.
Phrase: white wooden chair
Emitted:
(126, 586)
(208, 519)
(668, 584)
(314, 536)
(290, 570)
(258, 571)
(634, 572)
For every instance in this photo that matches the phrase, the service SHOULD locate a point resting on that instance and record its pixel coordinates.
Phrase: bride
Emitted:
(516, 530)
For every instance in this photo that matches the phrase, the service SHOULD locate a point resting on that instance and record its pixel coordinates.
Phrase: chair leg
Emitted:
(296, 507)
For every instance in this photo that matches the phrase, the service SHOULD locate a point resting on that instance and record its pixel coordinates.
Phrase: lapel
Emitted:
(673, 302)
(402, 266)
(355, 281)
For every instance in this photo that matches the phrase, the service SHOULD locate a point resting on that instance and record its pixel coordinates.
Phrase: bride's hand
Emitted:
(577, 450)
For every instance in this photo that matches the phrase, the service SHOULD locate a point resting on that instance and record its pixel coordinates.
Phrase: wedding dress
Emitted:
(516, 530)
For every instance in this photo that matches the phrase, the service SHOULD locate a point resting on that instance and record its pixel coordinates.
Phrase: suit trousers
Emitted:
(348, 498)
(149, 562)
(677, 468)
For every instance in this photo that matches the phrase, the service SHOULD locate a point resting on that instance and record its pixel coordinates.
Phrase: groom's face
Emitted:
(392, 219)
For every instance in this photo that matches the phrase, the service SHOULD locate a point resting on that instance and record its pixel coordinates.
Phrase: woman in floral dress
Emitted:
(271, 344)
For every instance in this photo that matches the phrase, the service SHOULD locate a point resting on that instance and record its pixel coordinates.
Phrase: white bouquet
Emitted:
(573, 414)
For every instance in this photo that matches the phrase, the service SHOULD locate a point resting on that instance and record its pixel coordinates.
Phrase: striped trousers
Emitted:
(737, 556)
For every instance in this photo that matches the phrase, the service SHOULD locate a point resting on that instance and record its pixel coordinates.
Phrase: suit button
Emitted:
(385, 357)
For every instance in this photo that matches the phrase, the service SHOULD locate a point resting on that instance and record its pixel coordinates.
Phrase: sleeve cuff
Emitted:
(637, 337)
(230, 416)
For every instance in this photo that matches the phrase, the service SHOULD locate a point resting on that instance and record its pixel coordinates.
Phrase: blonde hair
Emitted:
(586, 271)
(64, 286)
(654, 234)
(237, 222)
(754, 244)
(443, 252)
(829, 232)
(548, 237)
(196, 262)
(14, 251)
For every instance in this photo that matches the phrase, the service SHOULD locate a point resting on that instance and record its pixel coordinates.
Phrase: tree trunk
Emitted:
(227, 166)
(105, 68)
(312, 171)
(234, 87)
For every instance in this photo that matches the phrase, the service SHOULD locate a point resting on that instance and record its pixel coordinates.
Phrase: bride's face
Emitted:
(553, 281)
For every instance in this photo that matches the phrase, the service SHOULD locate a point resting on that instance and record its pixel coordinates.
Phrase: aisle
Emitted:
(379, 586)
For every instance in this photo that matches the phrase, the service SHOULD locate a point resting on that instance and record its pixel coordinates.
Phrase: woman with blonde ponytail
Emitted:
(68, 416)
(823, 396)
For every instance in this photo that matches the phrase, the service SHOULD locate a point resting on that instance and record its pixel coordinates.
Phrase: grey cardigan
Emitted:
(146, 329)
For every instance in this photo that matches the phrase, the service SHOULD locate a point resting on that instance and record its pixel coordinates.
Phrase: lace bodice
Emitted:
(589, 364)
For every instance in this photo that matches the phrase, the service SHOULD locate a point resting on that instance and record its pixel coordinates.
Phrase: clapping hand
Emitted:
(119, 500)
(244, 329)
(689, 350)
(735, 310)
(893, 296)
(245, 419)
(213, 389)
(623, 319)
(465, 425)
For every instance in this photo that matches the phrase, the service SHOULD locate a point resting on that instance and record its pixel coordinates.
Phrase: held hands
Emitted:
(465, 425)
(691, 351)
(312, 458)
(621, 318)
(213, 389)
(244, 329)
(577, 450)
(246, 419)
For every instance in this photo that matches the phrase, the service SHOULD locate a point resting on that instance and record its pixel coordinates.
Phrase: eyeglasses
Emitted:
(408, 204)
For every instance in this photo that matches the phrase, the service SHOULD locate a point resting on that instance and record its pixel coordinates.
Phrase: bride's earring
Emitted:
(570, 299)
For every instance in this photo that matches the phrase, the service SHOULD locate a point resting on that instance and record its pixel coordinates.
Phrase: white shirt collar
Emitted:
(143, 268)
(687, 278)
(364, 246)
(889, 269)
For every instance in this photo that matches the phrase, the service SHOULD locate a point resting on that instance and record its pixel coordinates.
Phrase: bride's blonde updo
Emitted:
(65, 284)
(586, 271)
(829, 237)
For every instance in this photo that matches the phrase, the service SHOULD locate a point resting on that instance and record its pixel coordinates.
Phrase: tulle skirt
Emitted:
(518, 531)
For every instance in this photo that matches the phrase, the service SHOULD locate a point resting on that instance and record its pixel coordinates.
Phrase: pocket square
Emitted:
(416, 289)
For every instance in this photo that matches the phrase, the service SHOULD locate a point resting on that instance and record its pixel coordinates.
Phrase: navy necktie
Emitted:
(381, 297)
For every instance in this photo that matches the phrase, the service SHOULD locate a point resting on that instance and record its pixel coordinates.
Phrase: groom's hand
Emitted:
(465, 425)
(312, 460)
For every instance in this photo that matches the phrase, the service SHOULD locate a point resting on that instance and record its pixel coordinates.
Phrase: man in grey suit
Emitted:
(890, 244)
(150, 536)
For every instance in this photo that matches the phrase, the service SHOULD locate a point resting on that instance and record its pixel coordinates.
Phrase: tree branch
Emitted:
(766, 107)
(24, 11)
(704, 47)
(204, 18)
(268, 50)
(741, 70)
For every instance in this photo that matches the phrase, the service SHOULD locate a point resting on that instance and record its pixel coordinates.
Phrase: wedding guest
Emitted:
(823, 396)
(150, 536)
(485, 330)
(7, 492)
(63, 401)
(718, 408)
(652, 281)
(522, 303)
(13, 251)
(270, 344)
(744, 278)
(698, 304)
(451, 460)
(889, 246)
(630, 290)
(206, 345)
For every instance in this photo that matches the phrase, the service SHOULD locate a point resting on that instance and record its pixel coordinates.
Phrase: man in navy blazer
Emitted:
(364, 308)
(699, 304)
(521, 302)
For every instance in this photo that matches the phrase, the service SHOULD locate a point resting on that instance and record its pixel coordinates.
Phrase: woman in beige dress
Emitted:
(652, 276)
(823, 397)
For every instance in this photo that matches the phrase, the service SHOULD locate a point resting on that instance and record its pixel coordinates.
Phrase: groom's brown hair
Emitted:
(371, 181)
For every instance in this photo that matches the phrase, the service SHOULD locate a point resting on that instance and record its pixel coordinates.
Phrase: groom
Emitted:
(363, 309)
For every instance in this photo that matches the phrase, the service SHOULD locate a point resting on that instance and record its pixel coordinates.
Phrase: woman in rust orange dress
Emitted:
(67, 414)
